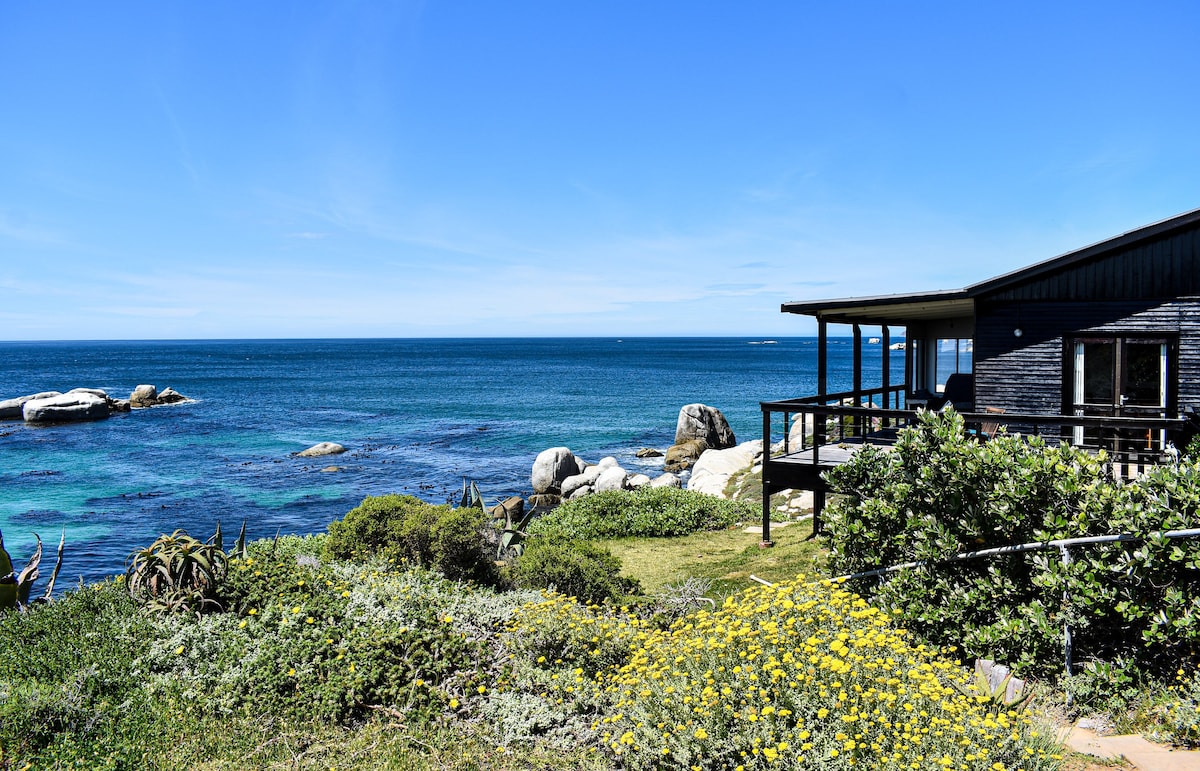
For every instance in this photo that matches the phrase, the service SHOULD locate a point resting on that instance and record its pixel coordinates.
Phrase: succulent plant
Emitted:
(178, 573)
(15, 588)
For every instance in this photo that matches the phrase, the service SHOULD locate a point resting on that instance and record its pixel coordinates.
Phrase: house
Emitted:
(1099, 347)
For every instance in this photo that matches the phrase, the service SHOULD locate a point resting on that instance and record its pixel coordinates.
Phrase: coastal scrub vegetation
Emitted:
(346, 650)
(1133, 607)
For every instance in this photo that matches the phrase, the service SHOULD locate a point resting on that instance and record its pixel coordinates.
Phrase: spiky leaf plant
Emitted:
(15, 587)
(177, 573)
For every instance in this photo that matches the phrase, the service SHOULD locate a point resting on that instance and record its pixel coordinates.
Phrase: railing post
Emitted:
(1067, 641)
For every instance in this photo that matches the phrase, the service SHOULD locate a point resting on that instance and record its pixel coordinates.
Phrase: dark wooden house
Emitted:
(1099, 347)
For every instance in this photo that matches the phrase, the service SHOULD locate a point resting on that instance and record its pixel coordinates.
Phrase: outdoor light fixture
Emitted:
(1017, 332)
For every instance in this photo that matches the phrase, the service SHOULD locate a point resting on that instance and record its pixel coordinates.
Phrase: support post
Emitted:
(766, 476)
(818, 508)
(858, 367)
(1067, 641)
(886, 368)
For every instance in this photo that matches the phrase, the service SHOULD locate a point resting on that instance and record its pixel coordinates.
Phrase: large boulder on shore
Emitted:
(680, 457)
(611, 478)
(551, 467)
(699, 421)
(13, 409)
(78, 405)
(585, 478)
(712, 471)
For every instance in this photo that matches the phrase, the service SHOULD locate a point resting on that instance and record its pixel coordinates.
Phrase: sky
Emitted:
(189, 170)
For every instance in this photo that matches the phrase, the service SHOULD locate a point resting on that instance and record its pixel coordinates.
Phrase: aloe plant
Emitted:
(178, 573)
(15, 588)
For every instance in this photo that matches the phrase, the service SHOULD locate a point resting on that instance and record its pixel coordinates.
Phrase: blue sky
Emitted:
(393, 169)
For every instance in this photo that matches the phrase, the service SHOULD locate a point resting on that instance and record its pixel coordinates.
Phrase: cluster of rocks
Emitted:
(560, 475)
(80, 404)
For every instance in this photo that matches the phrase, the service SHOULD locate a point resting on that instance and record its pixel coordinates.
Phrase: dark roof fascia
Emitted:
(835, 309)
(1070, 259)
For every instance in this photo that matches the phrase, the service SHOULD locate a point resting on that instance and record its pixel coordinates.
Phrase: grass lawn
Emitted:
(727, 558)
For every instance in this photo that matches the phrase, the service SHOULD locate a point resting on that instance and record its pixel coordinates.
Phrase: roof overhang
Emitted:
(889, 309)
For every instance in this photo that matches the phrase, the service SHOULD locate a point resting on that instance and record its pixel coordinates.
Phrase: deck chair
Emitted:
(959, 392)
(989, 428)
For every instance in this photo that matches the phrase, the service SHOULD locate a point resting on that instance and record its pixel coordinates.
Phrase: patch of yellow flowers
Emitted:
(798, 675)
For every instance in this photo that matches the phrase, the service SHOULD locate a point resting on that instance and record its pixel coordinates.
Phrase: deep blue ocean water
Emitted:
(417, 416)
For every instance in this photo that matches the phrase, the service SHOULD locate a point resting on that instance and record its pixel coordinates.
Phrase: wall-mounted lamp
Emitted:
(1017, 332)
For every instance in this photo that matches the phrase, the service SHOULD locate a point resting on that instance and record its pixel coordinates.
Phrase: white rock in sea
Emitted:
(323, 448)
(144, 396)
(171, 396)
(551, 467)
(637, 480)
(714, 468)
(11, 409)
(71, 407)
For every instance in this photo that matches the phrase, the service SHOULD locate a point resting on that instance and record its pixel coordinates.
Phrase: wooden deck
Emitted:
(817, 436)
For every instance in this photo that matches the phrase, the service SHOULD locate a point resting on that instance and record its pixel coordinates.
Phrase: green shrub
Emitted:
(939, 492)
(646, 512)
(330, 641)
(65, 668)
(405, 529)
(573, 567)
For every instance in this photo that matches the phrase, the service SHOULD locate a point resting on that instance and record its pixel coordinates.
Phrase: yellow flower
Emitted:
(701, 734)
(179, 651)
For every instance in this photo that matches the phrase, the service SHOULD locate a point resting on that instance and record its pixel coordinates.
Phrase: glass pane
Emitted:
(1098, 372)
(966, 355)
(947, 362)
(1143, 374)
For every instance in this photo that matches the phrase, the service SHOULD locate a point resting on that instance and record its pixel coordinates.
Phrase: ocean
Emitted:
(417, 416)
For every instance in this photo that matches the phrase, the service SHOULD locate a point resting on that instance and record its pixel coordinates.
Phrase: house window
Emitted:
(952, 355)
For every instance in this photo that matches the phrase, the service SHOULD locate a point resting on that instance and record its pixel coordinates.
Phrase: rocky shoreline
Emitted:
(83, 404)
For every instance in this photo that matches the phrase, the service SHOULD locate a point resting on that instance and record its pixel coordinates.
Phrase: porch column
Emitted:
(858, 425)
(822, 354)
(886, 367)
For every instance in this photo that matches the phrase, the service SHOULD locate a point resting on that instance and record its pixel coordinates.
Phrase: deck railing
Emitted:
(1132, 443)
(796, 430)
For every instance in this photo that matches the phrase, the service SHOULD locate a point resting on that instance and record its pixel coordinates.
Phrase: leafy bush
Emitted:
(573, 567)
(405, 529)
(939, 492)
(312, 640)
(65, 664)
(645, 512)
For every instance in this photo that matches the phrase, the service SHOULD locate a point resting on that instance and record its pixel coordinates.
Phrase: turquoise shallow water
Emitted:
(416, 415)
